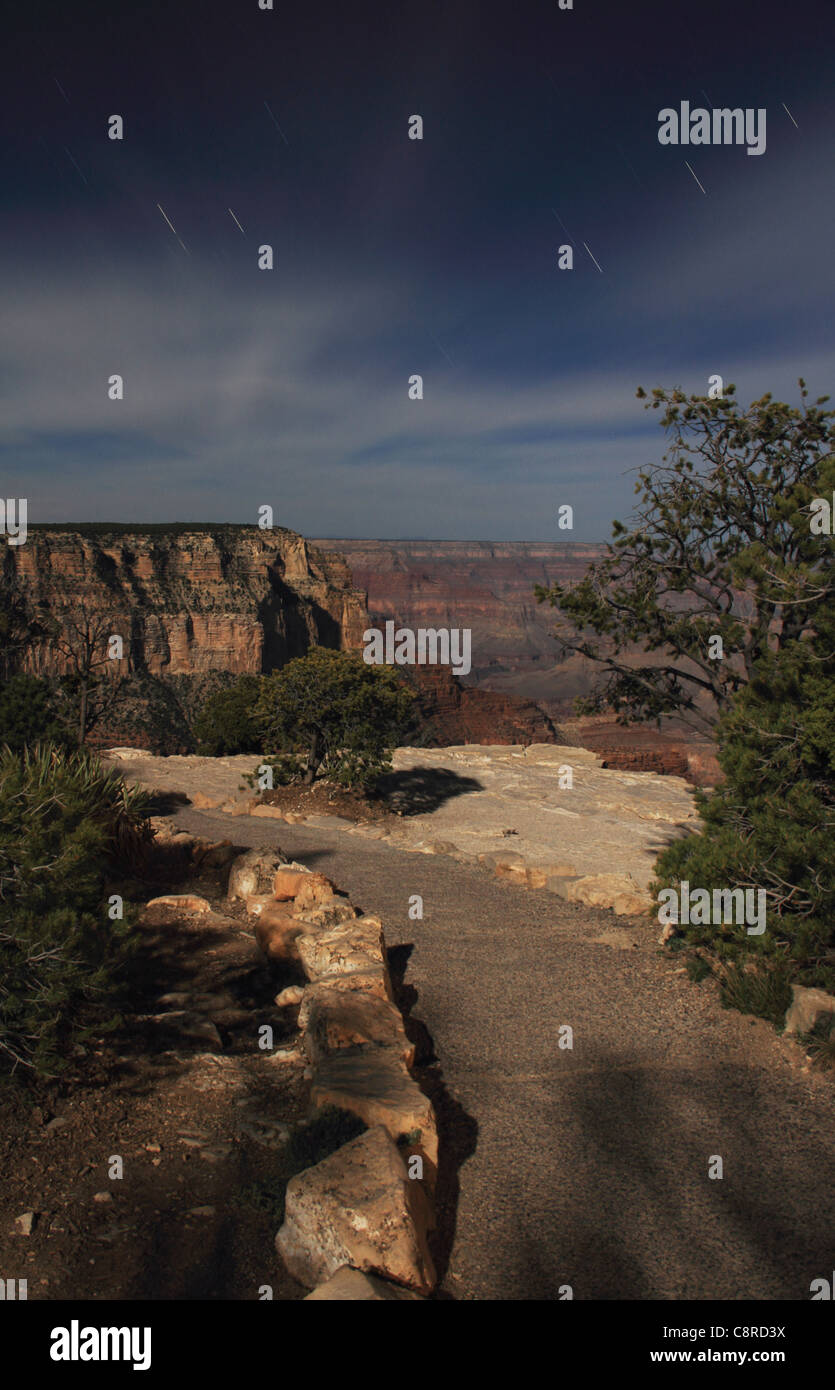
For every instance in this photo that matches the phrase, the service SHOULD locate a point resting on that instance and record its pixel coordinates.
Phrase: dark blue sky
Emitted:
(396, 257)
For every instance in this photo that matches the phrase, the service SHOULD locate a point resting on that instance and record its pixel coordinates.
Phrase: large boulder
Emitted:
(358, 1207)
(374, 1083)
(253, 873)
(807, 1006)
(374, 982)
(349, 946)
(338, 1018)
(327, 914)
(277, 932)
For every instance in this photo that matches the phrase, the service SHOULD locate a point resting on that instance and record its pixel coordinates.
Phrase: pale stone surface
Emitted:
(267, 812)
(607, 823)
(806, 1008)
(182, 902)
(339, 1018)
(252, 873)
(352, 1286)
(203, 802)
(354, 945)
(374, 1083)
(357, 1207)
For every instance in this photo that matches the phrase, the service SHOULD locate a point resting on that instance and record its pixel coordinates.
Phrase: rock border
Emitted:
(356, 1224)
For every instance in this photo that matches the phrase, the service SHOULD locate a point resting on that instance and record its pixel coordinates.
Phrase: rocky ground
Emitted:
(196, 1112)
(595, 841)
(586, 1166)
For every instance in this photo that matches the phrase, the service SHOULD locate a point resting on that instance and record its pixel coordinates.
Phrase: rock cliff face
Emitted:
(487, 587)
(187, 600)
(195, 605)
(449, 713)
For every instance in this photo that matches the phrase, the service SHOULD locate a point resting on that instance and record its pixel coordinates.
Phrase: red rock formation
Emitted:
(187, 601)
(450, 712)
(487, 587)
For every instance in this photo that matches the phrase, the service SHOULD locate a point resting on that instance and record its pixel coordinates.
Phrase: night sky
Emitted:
(394, 256)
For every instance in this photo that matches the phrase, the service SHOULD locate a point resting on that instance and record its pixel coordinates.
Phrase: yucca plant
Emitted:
(66, 825)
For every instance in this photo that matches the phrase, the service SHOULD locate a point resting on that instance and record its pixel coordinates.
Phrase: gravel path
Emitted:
(589, 1167)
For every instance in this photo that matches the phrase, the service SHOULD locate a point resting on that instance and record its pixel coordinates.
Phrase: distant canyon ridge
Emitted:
(198, 604)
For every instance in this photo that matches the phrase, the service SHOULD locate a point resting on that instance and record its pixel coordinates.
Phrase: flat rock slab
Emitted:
(358, 1207)
(374, 1083)
(607, 823)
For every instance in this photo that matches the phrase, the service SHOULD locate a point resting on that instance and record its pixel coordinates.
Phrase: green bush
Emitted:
(770, 824)
(65, 825)
(346, 716)
(226, 724)
(28, 713)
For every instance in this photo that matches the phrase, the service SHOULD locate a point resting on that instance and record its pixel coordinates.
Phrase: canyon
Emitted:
(197, 604)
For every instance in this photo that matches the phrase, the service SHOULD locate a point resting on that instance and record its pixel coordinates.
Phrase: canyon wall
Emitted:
(196, 605)
(184, 600)
(484, 586)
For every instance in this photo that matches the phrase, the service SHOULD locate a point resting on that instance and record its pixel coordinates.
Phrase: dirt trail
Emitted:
(588, 1167)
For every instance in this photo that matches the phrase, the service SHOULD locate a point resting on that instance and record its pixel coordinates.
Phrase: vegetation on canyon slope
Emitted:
(723, 548)
(325, 714)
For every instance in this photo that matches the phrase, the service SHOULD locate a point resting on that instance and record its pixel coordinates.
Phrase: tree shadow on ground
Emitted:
(419, 790)
(457, 1131)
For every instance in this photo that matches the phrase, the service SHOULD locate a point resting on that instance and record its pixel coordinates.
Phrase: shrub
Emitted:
(226, 724)
(345, 715)
(28, 713)
(65, 823)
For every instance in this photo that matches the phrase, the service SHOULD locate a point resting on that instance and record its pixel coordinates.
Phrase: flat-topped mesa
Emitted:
(187, 599)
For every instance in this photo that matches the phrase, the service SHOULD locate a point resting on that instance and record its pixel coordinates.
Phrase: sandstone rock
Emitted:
(205, 803)
(618, 891)
(314, 890)
(359, 1208)
(267, 812)
(339, 1018)
(355, 945)
(349, 1285)
(373, 1083)
(374, 982)
(181, 902)
(255, 903)
(328, 914)
(23, 1224)
(252, 873)
(277, 933)
(807, 1006)
(292, 995)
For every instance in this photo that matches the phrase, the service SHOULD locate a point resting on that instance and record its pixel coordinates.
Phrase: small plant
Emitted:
(763, 990)
(820, 1043)
(697, 969)
(65, 825)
